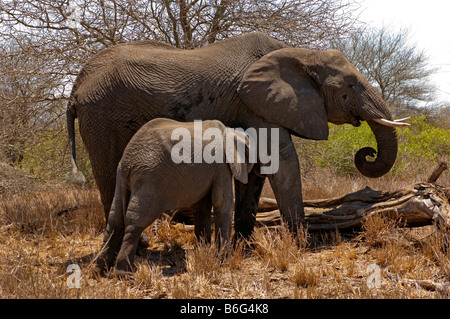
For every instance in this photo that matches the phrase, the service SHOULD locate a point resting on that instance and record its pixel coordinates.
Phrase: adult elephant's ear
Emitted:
(281, 88)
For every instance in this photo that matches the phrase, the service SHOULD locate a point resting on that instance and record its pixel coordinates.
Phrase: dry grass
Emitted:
(37, 246)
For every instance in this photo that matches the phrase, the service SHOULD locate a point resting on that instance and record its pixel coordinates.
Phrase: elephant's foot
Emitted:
(144, 242)
(98, 272)
(123, 273)
(101, 267)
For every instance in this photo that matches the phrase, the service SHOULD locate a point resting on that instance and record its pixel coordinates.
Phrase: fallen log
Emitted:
(420, 204)
(417, 205)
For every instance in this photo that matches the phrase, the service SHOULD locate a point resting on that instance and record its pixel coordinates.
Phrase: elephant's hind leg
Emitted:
(111, 242)
(127, 253)
(143, 209)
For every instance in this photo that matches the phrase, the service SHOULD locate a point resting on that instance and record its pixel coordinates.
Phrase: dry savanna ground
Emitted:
(379, 261)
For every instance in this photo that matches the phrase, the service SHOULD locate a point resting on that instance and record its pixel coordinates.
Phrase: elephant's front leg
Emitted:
(286, 185)
(246, 204)
(286, 180)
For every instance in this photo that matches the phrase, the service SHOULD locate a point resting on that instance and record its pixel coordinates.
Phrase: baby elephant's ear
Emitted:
(237, 151)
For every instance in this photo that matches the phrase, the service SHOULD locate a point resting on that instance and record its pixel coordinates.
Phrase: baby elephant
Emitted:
(170, 165)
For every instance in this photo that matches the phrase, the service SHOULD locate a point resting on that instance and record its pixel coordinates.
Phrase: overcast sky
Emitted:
(429, 23)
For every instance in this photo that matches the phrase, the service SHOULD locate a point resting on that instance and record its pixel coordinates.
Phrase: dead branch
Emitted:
(66, 210)
(442, 166)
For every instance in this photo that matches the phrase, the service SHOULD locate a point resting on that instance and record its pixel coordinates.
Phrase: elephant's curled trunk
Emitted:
(387, 145)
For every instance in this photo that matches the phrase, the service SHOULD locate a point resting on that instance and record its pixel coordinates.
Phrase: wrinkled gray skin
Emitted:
(248, 81)
(148, 183)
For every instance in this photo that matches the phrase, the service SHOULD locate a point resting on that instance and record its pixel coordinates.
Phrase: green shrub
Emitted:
(421, 144)
(343, 143)
(47, 156)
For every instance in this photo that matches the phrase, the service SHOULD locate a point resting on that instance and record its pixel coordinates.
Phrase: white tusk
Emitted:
(396, 123)
(402, 120)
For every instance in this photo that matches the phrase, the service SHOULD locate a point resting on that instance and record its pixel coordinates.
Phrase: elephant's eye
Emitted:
(344, 97)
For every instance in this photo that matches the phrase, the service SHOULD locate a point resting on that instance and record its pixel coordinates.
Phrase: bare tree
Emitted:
(27, 100)
(52, 39)
(395, 66)
(67, 32)
(91, 25)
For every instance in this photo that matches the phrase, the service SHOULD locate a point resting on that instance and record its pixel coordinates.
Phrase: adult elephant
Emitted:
(248, 81)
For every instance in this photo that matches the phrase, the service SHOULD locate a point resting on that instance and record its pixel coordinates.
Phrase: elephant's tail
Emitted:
(121, 194)
(126, 194)
(75, 176)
